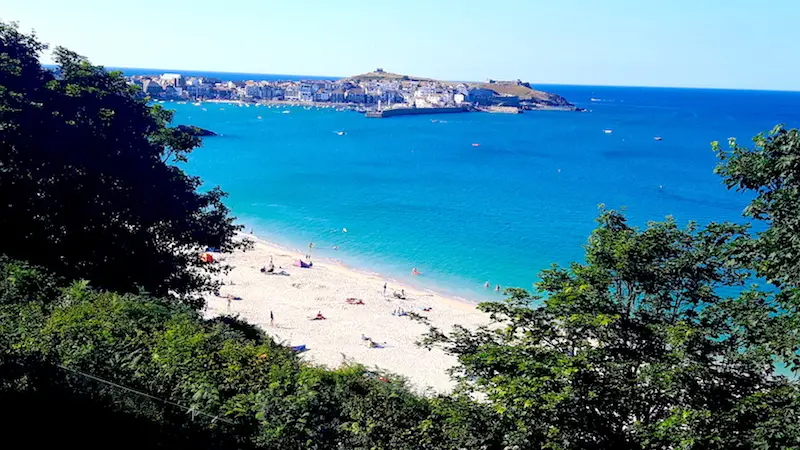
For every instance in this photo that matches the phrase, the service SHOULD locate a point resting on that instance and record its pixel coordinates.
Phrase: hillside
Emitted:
(525, 93)
(523, 90)
(382, 75)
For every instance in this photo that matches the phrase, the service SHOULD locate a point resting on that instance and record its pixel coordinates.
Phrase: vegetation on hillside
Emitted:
(375, 75)
(658, 340)
(220, 380)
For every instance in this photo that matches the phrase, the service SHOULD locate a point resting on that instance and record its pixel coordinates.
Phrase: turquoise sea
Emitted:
(416, 191)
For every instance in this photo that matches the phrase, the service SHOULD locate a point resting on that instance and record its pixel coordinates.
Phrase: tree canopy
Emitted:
(639, 347)
(160, 368)
(89, 180)
(771, 171)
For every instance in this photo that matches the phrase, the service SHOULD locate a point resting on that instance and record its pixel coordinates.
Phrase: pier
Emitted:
(413, 111)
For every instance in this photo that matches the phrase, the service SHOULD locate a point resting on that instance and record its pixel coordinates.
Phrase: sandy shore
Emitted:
(300, 294)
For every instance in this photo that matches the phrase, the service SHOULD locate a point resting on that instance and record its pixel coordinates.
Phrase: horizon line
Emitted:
(328, 77)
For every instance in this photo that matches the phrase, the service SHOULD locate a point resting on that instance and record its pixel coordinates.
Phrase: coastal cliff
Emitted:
(196, 131)
(529, 98)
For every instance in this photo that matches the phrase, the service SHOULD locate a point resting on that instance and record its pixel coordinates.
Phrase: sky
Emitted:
(738, 44)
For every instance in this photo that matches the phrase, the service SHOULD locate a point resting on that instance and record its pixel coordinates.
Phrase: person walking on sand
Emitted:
(384, 289)
(271, 319)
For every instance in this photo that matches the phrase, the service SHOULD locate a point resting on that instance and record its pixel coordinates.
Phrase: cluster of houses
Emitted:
(378, 91)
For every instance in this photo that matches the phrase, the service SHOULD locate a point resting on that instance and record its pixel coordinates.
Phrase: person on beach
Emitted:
(271, 319)
(497, 288)
(384, 289)
(414, 271)
(486, 285)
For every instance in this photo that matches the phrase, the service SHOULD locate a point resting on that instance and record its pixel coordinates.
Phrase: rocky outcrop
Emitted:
(195, 131)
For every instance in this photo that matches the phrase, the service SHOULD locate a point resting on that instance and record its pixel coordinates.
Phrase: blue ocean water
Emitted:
(413, 192)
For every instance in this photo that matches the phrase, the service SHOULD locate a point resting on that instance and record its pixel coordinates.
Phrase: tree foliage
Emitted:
(653, 342)
(88, 178)
(219, 383)
(771, 171)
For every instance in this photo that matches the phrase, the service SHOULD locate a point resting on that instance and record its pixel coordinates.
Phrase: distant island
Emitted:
(378, 93)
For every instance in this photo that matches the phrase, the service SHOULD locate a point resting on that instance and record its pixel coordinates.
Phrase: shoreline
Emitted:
(459, 290)
(299, 294)
(327, 261)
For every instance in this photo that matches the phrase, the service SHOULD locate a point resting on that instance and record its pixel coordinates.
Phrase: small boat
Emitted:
(259, 117)
(476, 145)
(657, 138)
(196, 103)
(286, 111)
(341, 133)
(607, 131)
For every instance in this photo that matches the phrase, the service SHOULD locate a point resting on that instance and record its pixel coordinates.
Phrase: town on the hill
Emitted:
(378, 90)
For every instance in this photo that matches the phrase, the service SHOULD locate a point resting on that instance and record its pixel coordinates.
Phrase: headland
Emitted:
(375, 92)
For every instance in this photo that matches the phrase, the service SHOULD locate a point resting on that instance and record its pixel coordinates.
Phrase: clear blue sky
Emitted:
(743, 44)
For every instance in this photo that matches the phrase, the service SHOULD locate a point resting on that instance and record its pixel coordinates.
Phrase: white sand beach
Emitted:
(299, 295)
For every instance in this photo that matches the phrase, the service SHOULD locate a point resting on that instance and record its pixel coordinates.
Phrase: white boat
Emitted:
(259, 117)
(607, 131)
(286, 111)
(341, 133)
(196, 103)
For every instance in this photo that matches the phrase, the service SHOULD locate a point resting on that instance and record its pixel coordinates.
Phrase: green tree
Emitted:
(653, 342)
(156, 365)
(771, 171)
(88, 178)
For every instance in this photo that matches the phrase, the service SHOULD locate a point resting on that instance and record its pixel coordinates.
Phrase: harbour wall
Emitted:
(413, 111)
